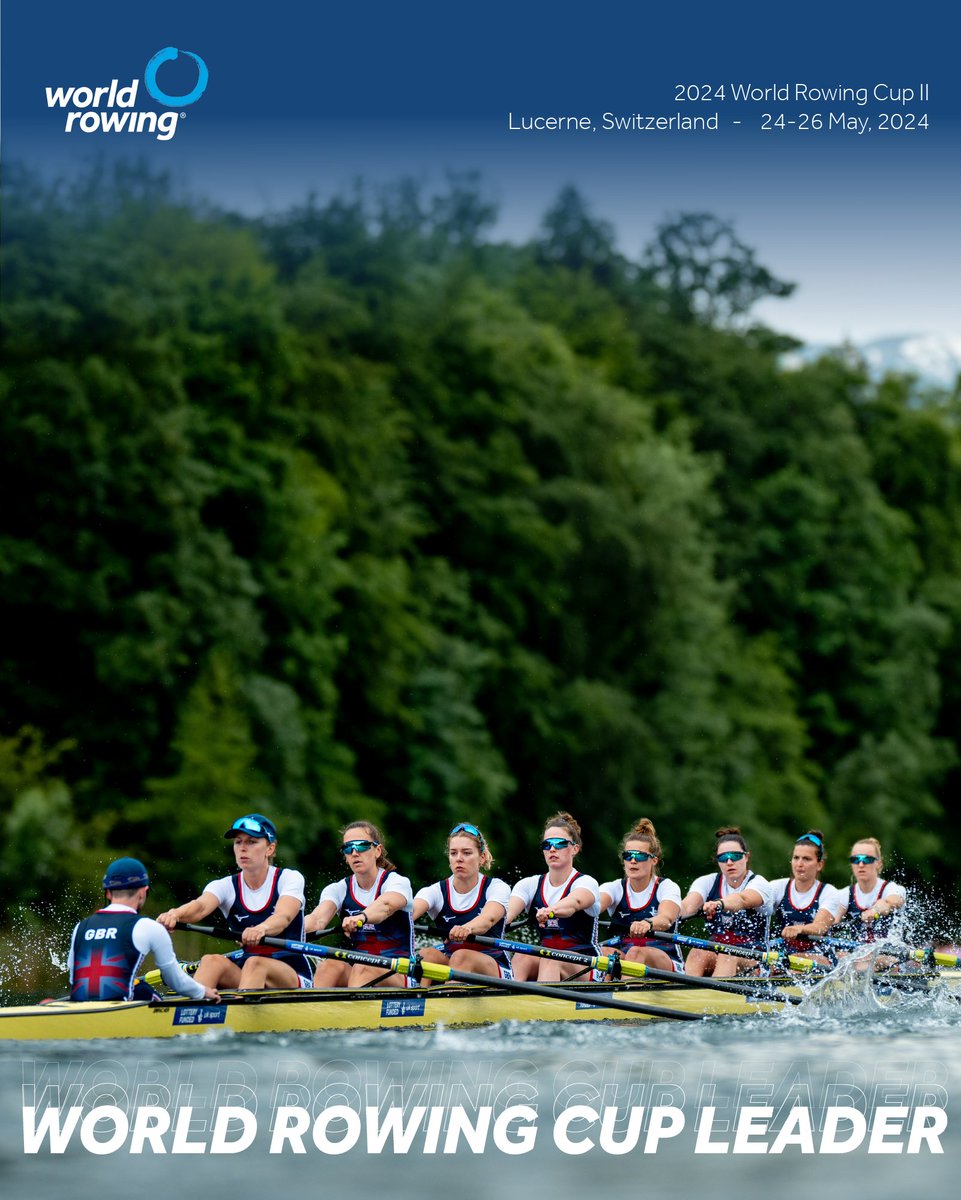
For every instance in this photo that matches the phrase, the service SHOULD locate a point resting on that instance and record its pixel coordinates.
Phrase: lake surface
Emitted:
(844, 1094)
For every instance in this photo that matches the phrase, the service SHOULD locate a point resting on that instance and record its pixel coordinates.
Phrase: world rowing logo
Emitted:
(112, 107)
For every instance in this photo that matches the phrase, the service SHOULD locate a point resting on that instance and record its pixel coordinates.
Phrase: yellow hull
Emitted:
(383, 1008)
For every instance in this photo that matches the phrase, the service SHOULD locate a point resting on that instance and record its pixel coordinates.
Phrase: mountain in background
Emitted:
(934, 359)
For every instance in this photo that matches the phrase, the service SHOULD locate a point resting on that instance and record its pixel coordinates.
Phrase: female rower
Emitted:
(735, 902)
(869, 905)
(374, 905)
(643, 902)
(803, 904)
(261, 900)
(564, 903)
(466, 905)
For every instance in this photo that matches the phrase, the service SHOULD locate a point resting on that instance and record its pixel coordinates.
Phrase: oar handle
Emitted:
(398, 966)
(768, 957)
(622, 966)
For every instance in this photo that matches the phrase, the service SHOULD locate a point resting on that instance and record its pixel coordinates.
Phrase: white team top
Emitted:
(151, 938)
(869, 899)
(667, 889)
(255, 899)
(830, 897)
(704, 883)
(337, 892)
(526, 890)
(434, 896)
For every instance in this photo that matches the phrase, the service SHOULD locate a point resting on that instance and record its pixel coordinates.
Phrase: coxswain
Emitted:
(108, 948)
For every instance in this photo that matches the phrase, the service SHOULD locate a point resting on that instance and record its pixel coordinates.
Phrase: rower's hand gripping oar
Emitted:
(769, 957)
(921, 954)
(439, 973)
(618, 967)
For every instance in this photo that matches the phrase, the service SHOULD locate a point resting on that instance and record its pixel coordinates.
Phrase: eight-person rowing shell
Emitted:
(263, 906)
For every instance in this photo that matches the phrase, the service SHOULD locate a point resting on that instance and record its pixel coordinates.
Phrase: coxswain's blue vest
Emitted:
(239, 916)
(105, 960)
(855, 928)
(577, 933)
(747, 927)
(449, 916)
(393, 938)
(624, 916)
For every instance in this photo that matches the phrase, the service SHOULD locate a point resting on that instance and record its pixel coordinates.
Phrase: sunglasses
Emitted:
(731, 856)
(253, 826)
(860, 859)
(809, 837)
(358, 847)
(636, 856)
(464, 827)
(555, 843)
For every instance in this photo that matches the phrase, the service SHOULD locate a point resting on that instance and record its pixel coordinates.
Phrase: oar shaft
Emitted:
(921, 954)
(443, 974)
(636, 970)
(399, 966)
(768, 957)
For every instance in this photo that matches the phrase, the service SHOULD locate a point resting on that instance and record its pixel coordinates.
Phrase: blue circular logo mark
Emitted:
(168, 54)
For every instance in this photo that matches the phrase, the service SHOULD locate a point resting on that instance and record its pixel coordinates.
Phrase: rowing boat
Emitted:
(278, 1011)
(314, 1010)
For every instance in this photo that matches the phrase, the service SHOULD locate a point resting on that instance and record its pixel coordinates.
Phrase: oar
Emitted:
(617, 966)
(442, 974)
(769, 957)
(921, 954)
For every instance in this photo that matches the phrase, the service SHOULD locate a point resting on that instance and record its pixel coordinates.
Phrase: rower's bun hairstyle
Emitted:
(731, 834)
(807, 839)
(643, 831)
(373, 835)
(564, 820)
(486, 858)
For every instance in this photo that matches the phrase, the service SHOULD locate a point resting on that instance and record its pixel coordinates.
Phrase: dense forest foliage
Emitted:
(356, 511)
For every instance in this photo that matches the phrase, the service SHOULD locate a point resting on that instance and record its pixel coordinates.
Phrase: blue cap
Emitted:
(255, 825)
(126, 873)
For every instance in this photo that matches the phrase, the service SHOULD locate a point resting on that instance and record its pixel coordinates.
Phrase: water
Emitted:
(789, 1073)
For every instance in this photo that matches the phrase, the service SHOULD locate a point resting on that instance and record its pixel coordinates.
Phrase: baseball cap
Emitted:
(255, 825)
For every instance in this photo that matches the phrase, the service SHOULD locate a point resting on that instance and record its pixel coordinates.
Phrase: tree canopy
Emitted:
(354, 512)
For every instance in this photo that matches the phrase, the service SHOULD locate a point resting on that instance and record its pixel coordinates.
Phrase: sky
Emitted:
(307, 98)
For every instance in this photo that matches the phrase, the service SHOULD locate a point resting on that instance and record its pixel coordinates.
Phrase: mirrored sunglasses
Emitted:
(465, 827)
(555, 843)
(636, 855)
(731, 856)
(859, 859)
(358, 847)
